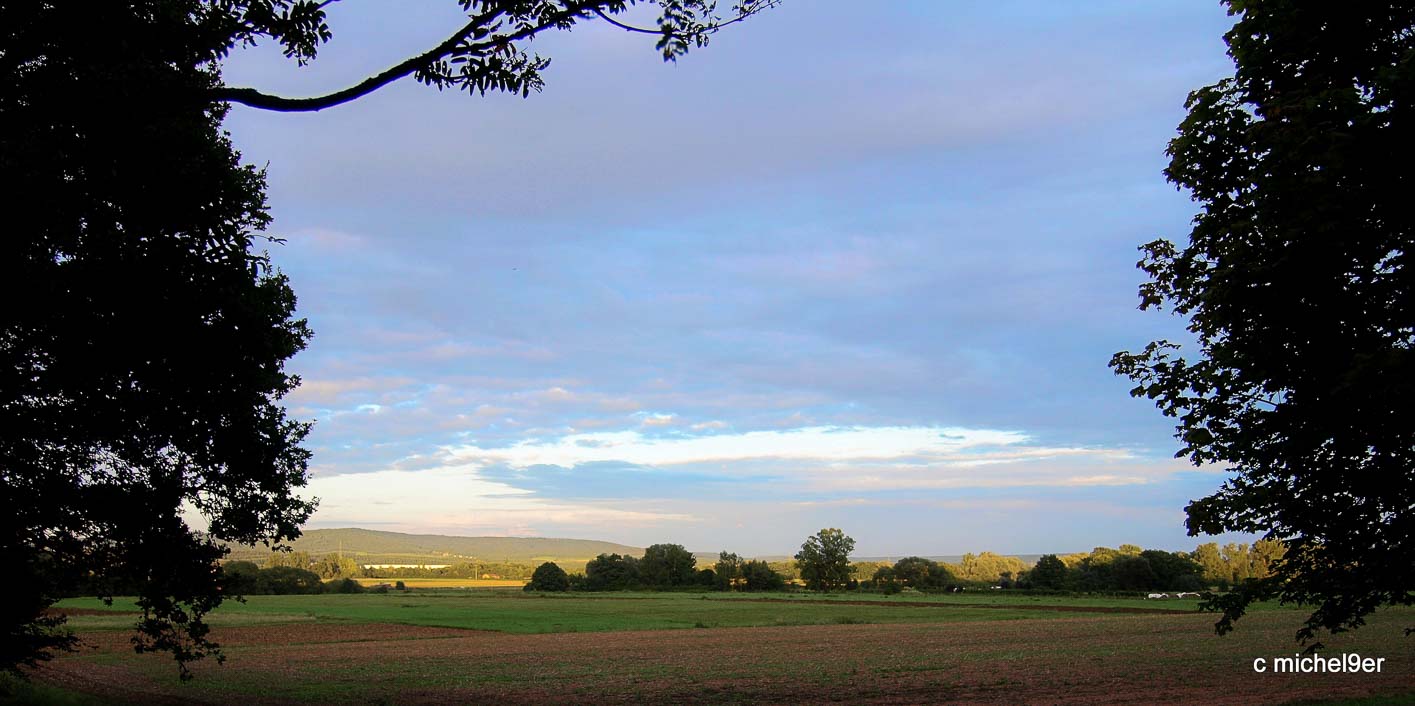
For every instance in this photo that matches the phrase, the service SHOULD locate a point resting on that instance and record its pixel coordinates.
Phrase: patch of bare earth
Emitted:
(1132, 659)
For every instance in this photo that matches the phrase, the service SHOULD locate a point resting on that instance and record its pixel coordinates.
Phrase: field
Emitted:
(446, 583)
(503, 646)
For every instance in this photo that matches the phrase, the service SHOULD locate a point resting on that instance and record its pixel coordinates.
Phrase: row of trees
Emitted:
(663, 566)
(1130, 568)
(334, 566)
(245, 578)
(823, 564)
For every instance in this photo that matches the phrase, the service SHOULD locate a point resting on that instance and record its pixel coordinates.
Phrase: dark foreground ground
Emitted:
(1091, 659)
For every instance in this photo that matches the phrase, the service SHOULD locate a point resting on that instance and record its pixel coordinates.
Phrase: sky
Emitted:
(854, 265)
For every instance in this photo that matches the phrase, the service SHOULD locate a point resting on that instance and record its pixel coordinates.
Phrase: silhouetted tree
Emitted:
(144, 334)
(1297, 285)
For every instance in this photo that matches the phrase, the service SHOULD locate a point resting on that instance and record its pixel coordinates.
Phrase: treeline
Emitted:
(972, 570)
(246, 578)
(1130, 568)
(663, 566)
(333, 566)
(670, 566)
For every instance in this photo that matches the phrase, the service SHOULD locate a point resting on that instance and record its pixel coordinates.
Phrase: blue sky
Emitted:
(840, 268)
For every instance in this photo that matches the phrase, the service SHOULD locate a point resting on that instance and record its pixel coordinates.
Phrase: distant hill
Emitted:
(377, 547)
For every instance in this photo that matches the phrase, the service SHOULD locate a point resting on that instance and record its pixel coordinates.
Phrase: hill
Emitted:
(378, 547)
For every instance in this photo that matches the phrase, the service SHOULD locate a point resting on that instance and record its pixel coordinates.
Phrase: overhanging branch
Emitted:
(266, 101)
(452, 46)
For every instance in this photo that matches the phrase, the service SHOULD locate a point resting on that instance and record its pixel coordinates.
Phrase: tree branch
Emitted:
(623, 26)
(266, 101)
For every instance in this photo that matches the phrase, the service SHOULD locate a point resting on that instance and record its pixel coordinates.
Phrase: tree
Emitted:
(1133, 573)
(727, 571)
(1174, 571)
(142, 349)
(1296, 286)
(143, 372)
(757, 575)
(1049, 573)
(549, 577)
(667, 565)
(1215, 570)
(285, 580)
(239, 577)
(824, 560)
(608, 572)
(918, 572)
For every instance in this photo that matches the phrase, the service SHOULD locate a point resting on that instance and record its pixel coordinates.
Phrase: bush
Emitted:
(283, 580)
(758, 576)
(344, 585)
(549, 577)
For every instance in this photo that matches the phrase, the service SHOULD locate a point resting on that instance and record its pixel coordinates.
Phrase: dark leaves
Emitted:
(1295, 284)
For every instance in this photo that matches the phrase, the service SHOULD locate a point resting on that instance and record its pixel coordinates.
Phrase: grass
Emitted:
(446, 583)
(19, 691)
(521, 613)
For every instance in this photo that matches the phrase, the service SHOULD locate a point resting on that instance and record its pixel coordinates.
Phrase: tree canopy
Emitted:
(668, 565)
(1296, 285)
(549, 577)
(824, 560)
(143, 344)
(142, 350)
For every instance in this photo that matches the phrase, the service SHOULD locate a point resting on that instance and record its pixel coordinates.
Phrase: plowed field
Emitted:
(1106, 659)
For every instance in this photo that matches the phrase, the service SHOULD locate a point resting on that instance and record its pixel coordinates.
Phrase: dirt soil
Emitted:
(1002, 606)
(1150, 659)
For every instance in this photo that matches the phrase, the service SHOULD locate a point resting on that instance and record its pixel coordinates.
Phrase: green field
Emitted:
(521, 613)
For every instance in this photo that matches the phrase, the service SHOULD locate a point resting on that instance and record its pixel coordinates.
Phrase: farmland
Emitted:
(434, 646)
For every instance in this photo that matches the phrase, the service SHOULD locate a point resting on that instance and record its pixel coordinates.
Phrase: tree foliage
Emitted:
(608, 572)
(1049, 573)
(727, 572)
(824, 560)
(143, 343)
(1296, 284)
(666, 565)
(757, 575)
(549, 577)
(986, 567)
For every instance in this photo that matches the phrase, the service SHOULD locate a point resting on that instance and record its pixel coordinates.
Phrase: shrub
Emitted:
(345, 585)
(549, 577)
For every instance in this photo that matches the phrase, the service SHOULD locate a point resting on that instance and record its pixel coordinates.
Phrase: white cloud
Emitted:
(834, 459)
(453, 499)
(810, 443)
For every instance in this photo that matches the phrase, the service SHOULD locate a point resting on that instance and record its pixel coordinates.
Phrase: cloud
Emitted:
(457, 499)
(809, 460)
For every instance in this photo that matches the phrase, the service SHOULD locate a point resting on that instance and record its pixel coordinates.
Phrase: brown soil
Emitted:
(1152, 659)
(1018, 606)
(88, 611)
